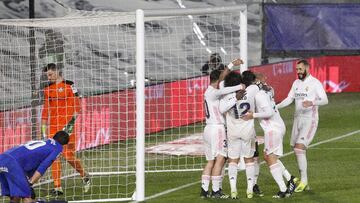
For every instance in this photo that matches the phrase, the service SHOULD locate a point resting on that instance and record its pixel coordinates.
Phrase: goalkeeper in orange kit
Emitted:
(61, 105)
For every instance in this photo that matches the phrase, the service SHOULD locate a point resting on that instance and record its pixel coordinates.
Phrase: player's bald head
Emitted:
(260, 77)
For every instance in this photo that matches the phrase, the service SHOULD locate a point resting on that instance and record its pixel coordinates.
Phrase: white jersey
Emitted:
(234, 109)
(268, 113)
(308, 90)
(212, 97)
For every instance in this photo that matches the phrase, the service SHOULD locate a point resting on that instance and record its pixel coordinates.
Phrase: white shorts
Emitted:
(303, 131)
(273, 142)
(240, 129)
(238, 147)
(215, 142)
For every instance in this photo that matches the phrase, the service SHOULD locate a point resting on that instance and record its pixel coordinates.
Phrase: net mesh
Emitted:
(97, 52)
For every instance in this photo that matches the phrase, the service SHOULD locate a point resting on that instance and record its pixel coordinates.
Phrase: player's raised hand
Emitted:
(237, 62)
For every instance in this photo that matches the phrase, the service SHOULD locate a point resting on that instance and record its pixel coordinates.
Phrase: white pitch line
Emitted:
(287, 154)
(335, 148)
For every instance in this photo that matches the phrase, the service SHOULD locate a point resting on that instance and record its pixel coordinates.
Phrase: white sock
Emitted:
(302, 163)
(276, 172)
(233, 176)
(250, 173)
(215, 183)
(205, 182)
(285, 172)
(257, 169)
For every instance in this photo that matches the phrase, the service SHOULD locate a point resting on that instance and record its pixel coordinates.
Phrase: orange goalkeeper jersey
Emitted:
(61, 102)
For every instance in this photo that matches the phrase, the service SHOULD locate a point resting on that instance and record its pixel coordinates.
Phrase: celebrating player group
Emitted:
(232, 102)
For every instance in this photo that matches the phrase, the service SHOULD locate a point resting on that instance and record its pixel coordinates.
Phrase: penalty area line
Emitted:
(287, 154)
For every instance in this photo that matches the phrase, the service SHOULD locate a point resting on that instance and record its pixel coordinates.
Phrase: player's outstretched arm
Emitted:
(234, 63)
(35, 178)
(227, 102)
(227, 90)
(266, 112)
(264, 104)
(289, 99)
(286, 102)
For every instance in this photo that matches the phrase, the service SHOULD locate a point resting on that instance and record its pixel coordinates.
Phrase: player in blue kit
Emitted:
(22, 166)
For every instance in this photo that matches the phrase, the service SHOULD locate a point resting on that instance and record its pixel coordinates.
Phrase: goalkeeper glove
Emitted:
(43, 131)
(70, 126)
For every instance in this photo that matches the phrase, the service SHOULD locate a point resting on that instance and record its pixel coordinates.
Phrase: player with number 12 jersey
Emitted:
(234, 111)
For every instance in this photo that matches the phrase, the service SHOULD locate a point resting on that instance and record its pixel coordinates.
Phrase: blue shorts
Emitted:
(13, 180)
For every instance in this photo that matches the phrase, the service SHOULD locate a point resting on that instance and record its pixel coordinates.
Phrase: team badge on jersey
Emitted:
(60, 89)
(74, 89)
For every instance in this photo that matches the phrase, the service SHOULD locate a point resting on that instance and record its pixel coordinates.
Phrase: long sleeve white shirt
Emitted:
(308, 90)
(267, 113)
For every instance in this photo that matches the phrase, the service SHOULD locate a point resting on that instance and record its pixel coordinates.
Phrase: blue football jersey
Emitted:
(36, 155)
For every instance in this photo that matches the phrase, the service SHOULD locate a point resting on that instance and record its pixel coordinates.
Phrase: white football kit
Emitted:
(305, 119)
(271, 122)
(214, 132)
(240, 133)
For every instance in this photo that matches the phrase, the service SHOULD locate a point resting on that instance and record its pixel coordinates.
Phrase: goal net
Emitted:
(97, 51)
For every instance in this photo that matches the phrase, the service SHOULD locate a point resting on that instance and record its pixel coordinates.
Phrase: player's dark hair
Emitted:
(248, 77)
(232, 79)
(62, 137)
(303, 61)
(215, 75)
(221, 67)
(53, 67)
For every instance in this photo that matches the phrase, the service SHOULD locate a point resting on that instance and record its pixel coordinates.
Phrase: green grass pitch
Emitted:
(333, 167)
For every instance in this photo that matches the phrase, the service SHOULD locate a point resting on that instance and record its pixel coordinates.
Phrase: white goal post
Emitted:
(139, 74)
